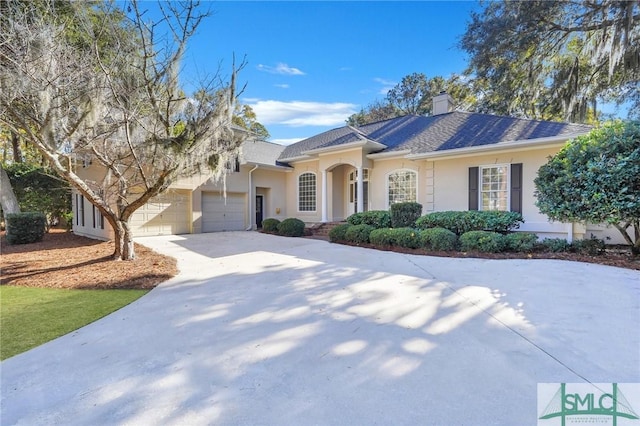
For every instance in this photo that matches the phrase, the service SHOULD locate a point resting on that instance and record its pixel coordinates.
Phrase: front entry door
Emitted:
(259, 209)
(353, 197)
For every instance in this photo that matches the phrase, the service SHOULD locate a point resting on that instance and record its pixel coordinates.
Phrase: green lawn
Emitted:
(32, 316)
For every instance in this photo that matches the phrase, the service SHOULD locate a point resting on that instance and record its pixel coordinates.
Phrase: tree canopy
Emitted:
(554, 59)
(596, 178)
(97, 85)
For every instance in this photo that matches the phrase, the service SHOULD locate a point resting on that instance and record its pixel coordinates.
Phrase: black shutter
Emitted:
(516, 188)
(473, 188)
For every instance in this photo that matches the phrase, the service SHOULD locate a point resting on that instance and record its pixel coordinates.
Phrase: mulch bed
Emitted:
(65, 260)
(621, 258)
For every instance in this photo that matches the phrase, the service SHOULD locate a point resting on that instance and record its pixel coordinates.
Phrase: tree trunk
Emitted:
(15, 147)
(124, 247)
(8, 198)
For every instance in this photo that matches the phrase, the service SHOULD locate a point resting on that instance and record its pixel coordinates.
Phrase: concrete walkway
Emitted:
(265, 330)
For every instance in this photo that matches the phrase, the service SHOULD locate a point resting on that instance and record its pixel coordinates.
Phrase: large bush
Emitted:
(25, 228)
(521, 241)
(270, 225)
(460, 222)
(406, 237)
(438, 239)
(291, 227)
(376, 218)
(483, 241)
(596, 178)
(404, 215)
(358, 234)
(337, 233)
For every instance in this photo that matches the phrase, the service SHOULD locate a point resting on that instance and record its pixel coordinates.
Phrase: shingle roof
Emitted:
(454, 130)
(261, 152)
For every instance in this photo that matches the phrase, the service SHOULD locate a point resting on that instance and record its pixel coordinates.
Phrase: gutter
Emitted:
(250, 228)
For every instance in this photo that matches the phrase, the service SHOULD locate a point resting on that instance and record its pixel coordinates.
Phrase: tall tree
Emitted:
(102, 88)
(554, 59)
(414, 95)
(245, 117)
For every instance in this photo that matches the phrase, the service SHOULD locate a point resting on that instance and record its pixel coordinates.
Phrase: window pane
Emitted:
(402, 187)
(494, 188)
(307, 192)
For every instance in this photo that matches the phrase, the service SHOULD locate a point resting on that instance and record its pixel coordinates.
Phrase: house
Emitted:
(451, 160)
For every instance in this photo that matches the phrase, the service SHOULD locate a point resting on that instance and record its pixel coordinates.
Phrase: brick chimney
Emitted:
(442, 104)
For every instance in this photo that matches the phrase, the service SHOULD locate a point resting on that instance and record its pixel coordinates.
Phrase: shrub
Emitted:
(337, 234)
(404, 215)
(438, 239)
(376, 218)
(592, 246)
(381, 237)
(521, 241)
(483, 241)
(460, 222)
(291, 227)
(270, 225)
(556, 245)
(405, 237)
(25, 228)
(358, 234)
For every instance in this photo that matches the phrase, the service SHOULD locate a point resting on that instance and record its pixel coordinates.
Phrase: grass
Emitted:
(31, 316)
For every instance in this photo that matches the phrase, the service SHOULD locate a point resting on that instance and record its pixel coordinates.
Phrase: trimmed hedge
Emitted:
(483, 241)
(460, 222)
(26, 227)
(337, 234)
(270, 225)
(404, 215)
(438, 239)
(406, 237)
(376, 218)
(358, 234)
(382, 237)
(555, 245)
(521, 241)
(291, 227)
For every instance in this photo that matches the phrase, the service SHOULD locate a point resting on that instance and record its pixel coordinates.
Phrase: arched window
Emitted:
(402, 186)
(307, 192)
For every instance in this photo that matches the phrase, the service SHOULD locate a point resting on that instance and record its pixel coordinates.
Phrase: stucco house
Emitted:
(451, 160)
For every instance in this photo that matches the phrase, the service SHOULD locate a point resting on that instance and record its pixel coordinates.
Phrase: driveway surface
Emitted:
(266, 330)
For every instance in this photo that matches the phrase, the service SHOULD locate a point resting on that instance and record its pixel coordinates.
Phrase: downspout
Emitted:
(250, 228)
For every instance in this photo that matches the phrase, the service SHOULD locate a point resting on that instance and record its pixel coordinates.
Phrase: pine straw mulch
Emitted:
(65, 260)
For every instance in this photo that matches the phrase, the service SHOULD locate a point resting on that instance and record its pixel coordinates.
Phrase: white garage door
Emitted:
(165, 214)
(223, 214)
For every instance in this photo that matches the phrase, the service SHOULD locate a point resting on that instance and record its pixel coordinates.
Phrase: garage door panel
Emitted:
(223, 214)
(165, 214)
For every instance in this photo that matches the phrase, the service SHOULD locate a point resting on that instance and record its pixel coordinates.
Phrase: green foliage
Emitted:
(592, 246)
(245, 117)
(26, 227)
(595, 178)
(376, 218)
(460, 222)
(338, 233)
(291, 227)
(406, 237)
(483, 241)
(358, 234)
(39, 190)
(556, 245)
(404, 215)
(382, 237)
(521, 241)
(439, 239)
(270, 225)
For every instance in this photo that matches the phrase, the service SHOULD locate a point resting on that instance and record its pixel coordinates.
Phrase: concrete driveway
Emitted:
(265, 330)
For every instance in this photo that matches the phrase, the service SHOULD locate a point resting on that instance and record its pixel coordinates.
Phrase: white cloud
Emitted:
(282, 86)
(386, 85)
(280, 68)
(302, 113)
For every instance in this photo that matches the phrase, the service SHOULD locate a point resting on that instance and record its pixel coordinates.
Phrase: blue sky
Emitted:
(312, 64)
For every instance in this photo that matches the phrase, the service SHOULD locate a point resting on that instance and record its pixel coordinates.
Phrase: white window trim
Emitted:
(491, 166)
(386, 180)
(315, 175)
